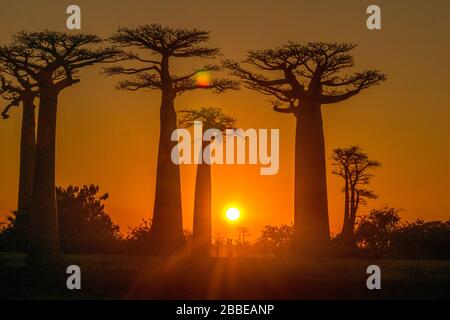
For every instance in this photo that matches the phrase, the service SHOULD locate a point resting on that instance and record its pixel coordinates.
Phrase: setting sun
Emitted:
(203, 79)
(233, 214)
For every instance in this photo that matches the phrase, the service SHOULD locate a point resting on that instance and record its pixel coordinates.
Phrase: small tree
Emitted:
(374, 231)
(85, 226)
(355, 167)
(138, 238)
(219, 242)
(211, 118)
(156, 47)
(276, 240)
(52, 60)
(301, 78)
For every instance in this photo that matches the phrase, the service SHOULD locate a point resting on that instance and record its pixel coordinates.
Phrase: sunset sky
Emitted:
(109, 137)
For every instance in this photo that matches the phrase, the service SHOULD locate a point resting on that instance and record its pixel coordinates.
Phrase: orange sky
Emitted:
(109, 137)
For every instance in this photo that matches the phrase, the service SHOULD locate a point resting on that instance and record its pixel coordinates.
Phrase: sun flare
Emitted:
(233, 214)
(203, 79)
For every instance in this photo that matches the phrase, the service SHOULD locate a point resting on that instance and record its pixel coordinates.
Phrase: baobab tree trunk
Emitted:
(27, 156)
(44, 240)
(311, 232)
(167, 229)
(201, 236)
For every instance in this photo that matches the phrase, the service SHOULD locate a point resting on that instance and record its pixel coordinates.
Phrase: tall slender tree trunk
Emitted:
(312, 231)
(44, 240)
(201, 236)
(167, 229)
(349, 225)
(353, 211)
(27, 156)
(352, 217)
(346, 223)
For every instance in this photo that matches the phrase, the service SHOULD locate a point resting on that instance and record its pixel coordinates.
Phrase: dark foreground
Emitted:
(139, 277)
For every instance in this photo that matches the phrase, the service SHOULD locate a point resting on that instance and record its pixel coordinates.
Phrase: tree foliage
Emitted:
(53, 58)
(275, 240)
(211, 118)
(297, 72)
(84, 224)
(421, 240)
(374, 231)
(15, 87)
(154, 44)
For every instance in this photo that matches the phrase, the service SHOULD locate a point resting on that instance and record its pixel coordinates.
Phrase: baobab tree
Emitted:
(301, 78)
(150, 70)
(51, 60)
(355, 167)
(17, 88)
(210, 118)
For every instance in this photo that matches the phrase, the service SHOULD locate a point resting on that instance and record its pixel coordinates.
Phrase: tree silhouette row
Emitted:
(299, 77)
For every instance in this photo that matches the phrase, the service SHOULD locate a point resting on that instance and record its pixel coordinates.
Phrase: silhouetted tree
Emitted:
(275, 240)
(84, 225)
(161, 44)
(355, 167)
(14, 233)
(16, 88)
(421, 240)
(210, 118)
(305, 77)
(219, 242)
(52, 60)
(374, 231)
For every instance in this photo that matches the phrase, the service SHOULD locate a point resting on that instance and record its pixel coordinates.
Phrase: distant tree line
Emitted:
(381, 235)
(87, 228)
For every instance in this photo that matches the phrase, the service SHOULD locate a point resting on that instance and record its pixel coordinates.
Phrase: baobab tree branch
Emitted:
(291, 109)
(52, 57)
(67, 82)
(206, 68)
(14, 103)
(89, 58)
(338, 98)
(15, 73)
(258, 82)
(14, 93)
(255, 78)
(134, 56)
(141, 81)
(115, 70)
(8, 57)
(165, 42)
(141, 37)
(217, 85)
(6, 86)
(196, 52)
(286, 60)
(288, 56)
(359, 81)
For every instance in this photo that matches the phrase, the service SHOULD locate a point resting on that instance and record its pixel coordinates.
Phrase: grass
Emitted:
(145, 277)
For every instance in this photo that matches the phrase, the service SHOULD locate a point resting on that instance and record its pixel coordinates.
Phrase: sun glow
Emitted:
(203, 79)
(233, 214)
